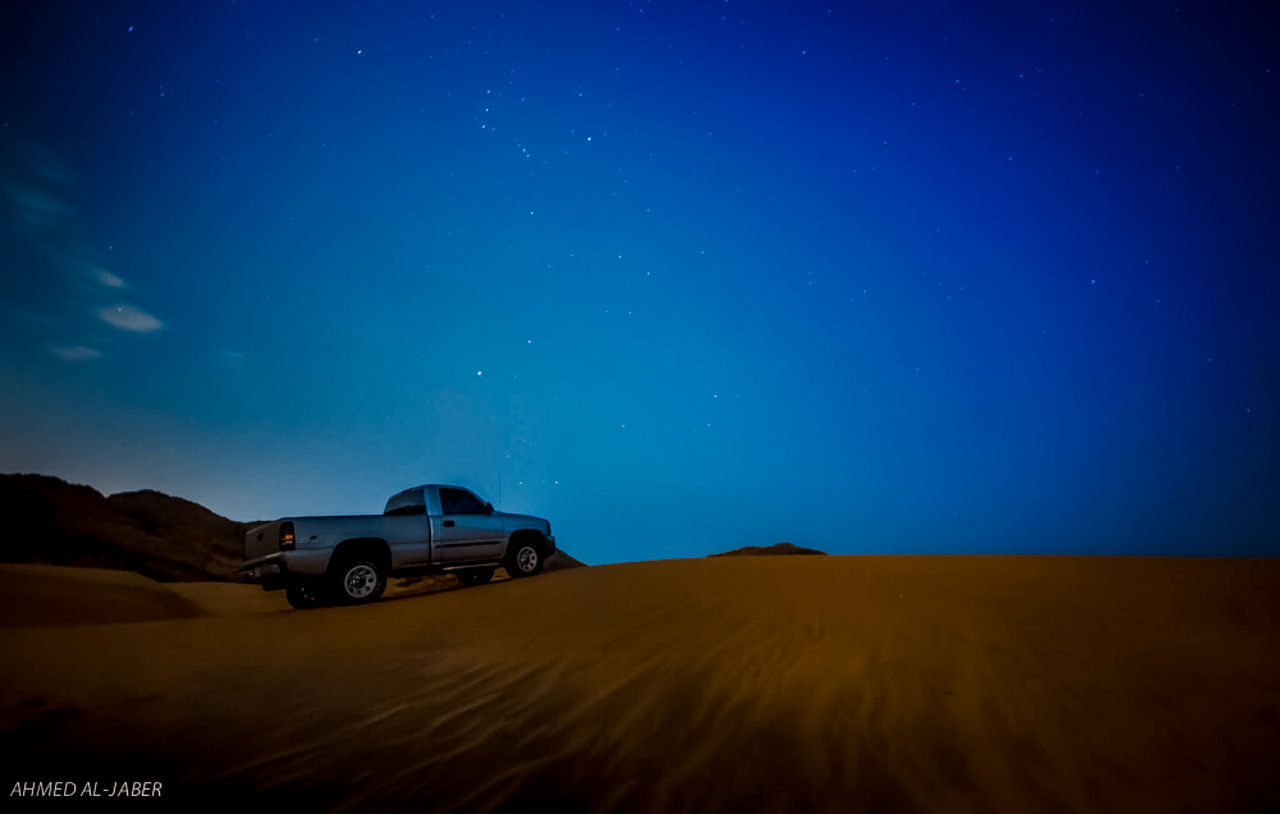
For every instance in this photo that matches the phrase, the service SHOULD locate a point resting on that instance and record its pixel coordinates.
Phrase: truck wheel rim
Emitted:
(360, 581)
(527, 558)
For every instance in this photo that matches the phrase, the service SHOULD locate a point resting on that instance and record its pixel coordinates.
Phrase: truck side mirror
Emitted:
(488, 508)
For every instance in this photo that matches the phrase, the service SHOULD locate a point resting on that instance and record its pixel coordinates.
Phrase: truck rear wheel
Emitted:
(524, 560)
(359, 581)
(475, 576)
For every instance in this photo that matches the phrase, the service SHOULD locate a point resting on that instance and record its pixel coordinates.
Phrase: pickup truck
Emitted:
(434, 528)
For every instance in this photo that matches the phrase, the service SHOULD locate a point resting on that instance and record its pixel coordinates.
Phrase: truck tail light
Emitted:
(286, 536)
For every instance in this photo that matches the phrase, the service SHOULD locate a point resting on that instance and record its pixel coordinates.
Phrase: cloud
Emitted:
(38, 184)
(31, 317)
(129, 318)
(37, 192)
(38, 207)
(75, 353)
(49, 165)
(110, 280)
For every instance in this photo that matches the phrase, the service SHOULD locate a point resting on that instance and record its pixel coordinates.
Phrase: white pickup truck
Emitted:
(433, 528)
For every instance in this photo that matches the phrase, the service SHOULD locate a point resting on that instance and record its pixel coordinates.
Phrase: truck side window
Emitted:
(419, 509)
(456, 501)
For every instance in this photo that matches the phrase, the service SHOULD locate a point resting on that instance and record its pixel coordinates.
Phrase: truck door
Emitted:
(468, 530)
(406, 528)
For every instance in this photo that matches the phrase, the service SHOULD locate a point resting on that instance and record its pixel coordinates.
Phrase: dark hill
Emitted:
(776, 548)
(48, 520)
(180, 520)
(167, 538)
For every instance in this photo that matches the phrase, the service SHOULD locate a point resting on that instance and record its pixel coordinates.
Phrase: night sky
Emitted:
(679, 276)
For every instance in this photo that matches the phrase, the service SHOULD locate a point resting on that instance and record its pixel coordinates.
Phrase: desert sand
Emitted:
(730, 684)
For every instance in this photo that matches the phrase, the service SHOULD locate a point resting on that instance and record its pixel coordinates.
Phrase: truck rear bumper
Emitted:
(276, 570)
(271, 575)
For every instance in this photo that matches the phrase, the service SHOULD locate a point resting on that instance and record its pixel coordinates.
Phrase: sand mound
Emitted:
(768, 550)
(728, 684)
(57, 595)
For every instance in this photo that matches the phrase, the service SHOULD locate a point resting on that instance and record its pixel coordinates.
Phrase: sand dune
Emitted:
(735, 683)
(56, 595)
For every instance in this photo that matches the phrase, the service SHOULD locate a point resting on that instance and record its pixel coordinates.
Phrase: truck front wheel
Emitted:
(360, 581)
(524, 560)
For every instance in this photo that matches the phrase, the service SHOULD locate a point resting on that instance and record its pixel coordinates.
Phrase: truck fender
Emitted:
(375, 548)
(521, 535)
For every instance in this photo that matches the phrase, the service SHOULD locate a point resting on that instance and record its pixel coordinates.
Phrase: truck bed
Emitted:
(328, 530)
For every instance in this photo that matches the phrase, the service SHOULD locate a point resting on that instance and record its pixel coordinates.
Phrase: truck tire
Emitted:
(304, 595)
(475, 576)
(359, 581)
(524, 559)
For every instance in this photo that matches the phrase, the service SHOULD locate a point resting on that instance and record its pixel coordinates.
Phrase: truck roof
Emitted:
(422, 486)
(413, 498)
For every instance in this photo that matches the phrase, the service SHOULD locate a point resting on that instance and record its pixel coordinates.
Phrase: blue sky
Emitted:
(679, 276)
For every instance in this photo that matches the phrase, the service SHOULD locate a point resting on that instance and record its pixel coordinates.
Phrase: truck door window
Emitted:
(457, 501)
